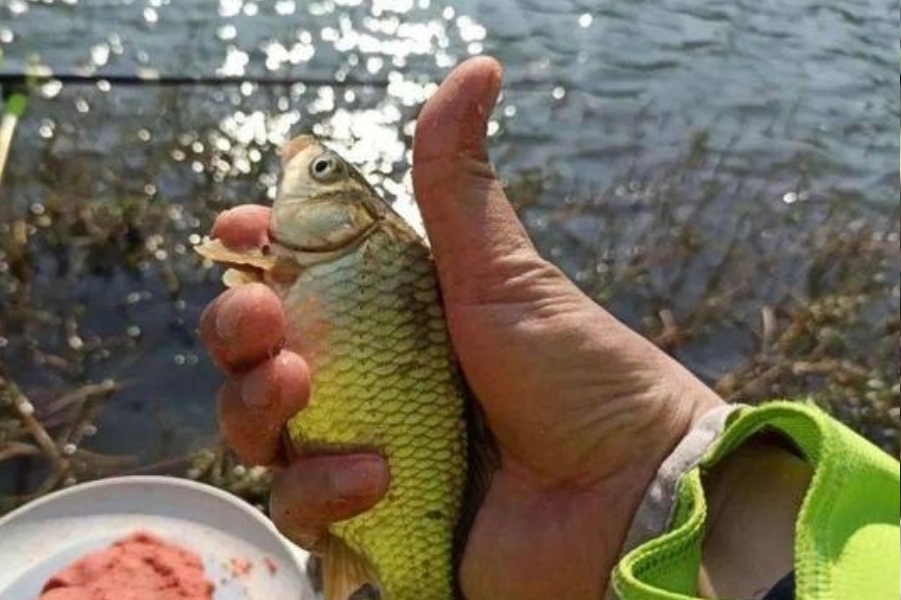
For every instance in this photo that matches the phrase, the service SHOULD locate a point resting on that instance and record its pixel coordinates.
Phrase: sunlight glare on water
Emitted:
(100, 54)
(375, 42)
(619, 129)
(227, 32)
(285, 7)
(18, 7)
(235, 62)
(230, 8)
(589, 93)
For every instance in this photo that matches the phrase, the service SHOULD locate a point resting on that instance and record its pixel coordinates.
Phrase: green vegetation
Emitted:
(763, 298)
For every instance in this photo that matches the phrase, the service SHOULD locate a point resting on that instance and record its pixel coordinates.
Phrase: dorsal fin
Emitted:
(344, 571)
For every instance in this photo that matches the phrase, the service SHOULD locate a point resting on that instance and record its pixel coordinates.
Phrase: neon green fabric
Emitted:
(846, 534)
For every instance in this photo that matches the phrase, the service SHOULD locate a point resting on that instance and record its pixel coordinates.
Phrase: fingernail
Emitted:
(359, 478)
(258, 389)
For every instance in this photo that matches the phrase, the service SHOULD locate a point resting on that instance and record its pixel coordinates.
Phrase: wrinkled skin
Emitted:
(583, 409)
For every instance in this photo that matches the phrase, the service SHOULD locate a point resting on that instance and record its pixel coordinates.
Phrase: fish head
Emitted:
(323, 203)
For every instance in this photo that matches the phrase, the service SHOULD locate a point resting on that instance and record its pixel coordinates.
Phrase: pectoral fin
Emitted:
(248, 266)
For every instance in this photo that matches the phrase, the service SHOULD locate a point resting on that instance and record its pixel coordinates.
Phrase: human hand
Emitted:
(582, 408)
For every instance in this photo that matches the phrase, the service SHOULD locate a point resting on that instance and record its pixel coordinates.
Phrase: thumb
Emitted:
(477, 239)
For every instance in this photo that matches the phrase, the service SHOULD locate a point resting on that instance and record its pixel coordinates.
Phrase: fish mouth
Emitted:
(295, 146)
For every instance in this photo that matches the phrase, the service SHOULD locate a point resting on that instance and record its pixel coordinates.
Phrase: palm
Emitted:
(582, 408)
(570, 396)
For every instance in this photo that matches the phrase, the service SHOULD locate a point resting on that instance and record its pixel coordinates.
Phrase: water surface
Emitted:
(735, 126)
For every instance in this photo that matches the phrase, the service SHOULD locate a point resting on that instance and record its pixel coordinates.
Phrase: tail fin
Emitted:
(344, 571)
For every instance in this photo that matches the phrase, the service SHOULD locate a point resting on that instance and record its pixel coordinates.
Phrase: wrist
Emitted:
(754, 495)
(832, 517)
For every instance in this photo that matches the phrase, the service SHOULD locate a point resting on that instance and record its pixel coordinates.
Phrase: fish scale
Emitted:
(384, 377)
(360, 293)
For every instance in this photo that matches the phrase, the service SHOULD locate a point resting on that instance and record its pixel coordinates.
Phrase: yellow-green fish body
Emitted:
(371, 327)
(359, 288)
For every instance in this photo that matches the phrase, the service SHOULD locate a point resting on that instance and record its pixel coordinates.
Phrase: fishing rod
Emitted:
(14, 87)
(14, 90)
(151, 77)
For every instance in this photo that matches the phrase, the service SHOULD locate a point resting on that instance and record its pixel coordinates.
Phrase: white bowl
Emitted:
(42, 537)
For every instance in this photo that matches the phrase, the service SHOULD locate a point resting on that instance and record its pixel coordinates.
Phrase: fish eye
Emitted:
(326, 167)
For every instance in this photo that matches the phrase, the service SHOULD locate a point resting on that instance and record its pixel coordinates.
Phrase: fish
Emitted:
(361, 295)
